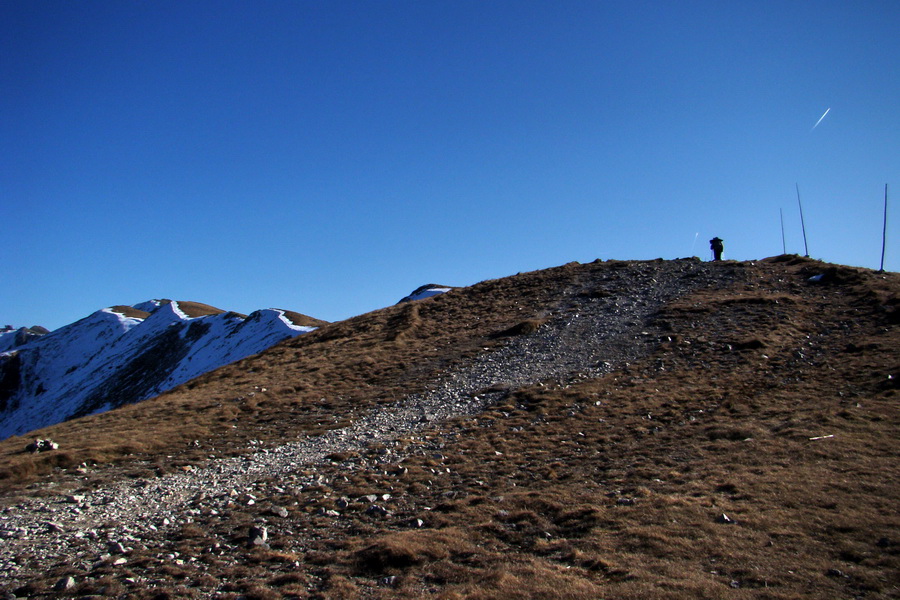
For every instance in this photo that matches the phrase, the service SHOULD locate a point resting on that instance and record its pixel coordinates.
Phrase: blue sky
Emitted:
(329, 157)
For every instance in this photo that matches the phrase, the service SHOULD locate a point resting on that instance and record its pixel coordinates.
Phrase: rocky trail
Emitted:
(598, 326)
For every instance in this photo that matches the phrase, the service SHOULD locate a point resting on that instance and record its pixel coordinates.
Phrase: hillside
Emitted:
(124, 354)
(619, 429)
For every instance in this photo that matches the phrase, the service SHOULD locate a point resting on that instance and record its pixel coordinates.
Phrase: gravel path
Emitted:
(598, 326)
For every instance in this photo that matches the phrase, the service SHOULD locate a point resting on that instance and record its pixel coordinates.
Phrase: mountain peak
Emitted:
(426, 291)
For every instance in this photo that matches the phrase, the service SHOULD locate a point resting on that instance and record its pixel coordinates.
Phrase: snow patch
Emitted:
(126, 322)
(289, 324)
(426, 291)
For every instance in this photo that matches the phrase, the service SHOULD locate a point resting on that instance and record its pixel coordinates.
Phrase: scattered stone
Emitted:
(378, 511)
(66, 583)
(837, 573)
(725, 519)
(54, 527)
(41, 445)
(257, 536)
(279, 511)
(116, 548)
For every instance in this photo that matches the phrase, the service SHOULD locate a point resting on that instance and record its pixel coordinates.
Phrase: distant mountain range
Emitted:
(125, 354)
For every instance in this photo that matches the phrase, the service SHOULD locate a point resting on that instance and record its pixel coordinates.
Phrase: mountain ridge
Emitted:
(125, 354)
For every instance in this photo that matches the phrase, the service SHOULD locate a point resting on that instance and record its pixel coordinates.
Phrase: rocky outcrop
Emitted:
(11, 338)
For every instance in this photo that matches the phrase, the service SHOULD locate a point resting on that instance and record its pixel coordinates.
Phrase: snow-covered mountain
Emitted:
(125, 354)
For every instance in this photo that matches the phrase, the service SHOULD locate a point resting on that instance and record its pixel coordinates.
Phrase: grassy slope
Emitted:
(309, 381)
(610, 487)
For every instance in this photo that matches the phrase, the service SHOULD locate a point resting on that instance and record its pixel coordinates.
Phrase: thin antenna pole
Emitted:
(783, 246)
(884, 231)
(802, 224)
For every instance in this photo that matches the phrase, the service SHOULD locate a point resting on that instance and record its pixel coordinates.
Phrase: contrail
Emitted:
(820, 119)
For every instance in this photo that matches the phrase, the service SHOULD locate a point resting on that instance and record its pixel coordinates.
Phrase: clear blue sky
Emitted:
(329, 157)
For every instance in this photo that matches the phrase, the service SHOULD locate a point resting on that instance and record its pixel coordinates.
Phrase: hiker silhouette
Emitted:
(717, 247)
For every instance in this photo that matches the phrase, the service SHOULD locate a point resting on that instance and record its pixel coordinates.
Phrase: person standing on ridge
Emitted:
(717, 247)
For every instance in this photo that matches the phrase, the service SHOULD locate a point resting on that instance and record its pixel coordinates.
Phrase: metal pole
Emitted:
(802, 224)
(884, 231)
(783, 247)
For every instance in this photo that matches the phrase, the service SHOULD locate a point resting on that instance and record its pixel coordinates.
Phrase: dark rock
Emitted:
(54, 527)
(39, 445)
(116, 548)
(257, 536)
(725, 519)
(66, 583)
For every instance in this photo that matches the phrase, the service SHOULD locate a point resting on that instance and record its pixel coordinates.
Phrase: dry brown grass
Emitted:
(198, 309)
(130, 311)
(340, 369)
(303, 320)
(611, 487)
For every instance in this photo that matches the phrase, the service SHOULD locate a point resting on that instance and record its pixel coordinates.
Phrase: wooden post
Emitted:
(884, 230)
(783, 246)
